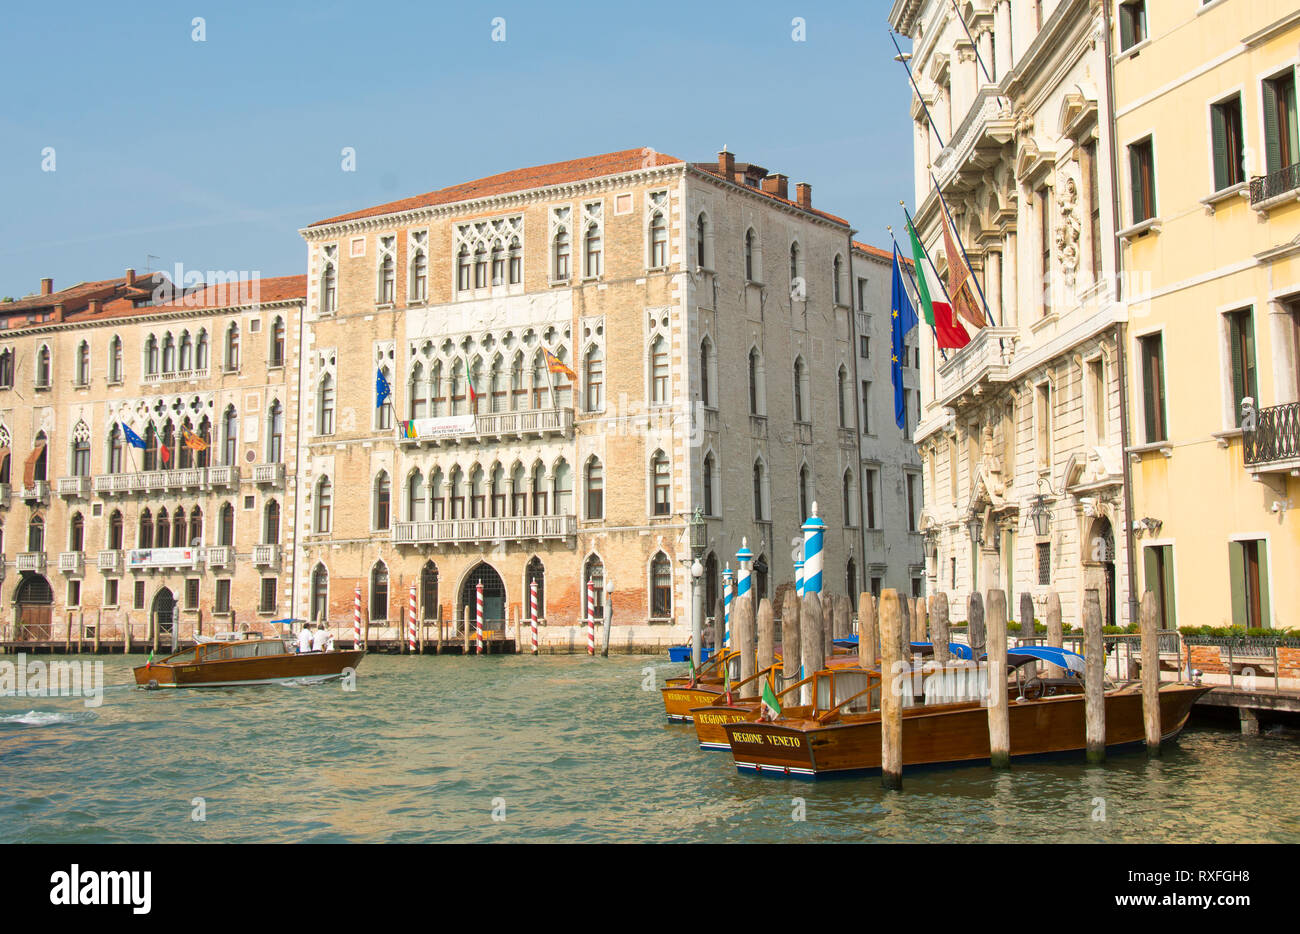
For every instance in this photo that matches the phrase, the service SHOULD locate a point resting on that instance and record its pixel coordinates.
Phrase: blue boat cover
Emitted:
(1062, 658)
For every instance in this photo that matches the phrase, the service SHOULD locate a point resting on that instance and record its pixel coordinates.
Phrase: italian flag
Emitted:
(948, 330)
(473, 390)
(771, 706)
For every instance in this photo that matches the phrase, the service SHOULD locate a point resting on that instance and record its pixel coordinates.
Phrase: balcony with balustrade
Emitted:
(73, 486)
(175, 376)
(979, 367)
(72, 562)
(485, 530)
(30, 561)
(220, 556)
(109, 561)
(494, 426)
(36, 494)
(266, 556)
(152, 481)
(1272, 444)
(268, 474)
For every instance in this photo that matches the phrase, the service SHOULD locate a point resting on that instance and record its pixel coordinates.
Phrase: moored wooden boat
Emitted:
(842, 736)
(682, 694)
(246, 661)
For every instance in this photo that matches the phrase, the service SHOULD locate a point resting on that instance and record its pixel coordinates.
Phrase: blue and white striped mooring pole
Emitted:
(798, 578)
(727, 594)
(743, 559)
(814, 532)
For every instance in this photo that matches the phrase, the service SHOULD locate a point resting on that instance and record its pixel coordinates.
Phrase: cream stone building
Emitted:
(1209, 188)
(707, 315)
(98, 534)
(1020, 148)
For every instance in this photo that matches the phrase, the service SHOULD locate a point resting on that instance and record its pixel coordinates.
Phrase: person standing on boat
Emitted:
(320, 640)
(304, 639)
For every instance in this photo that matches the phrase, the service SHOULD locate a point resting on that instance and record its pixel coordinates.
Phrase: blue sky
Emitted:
(213, 154)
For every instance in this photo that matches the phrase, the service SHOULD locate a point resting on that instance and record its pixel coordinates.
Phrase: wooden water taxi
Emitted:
(839, 732)
(253, 660)
(682, 694)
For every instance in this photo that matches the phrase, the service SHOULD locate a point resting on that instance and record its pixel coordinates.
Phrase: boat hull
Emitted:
(680, 699)
(711, 722)
(310, 666)
(948, 734)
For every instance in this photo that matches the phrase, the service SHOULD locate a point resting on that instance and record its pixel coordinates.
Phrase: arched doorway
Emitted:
(429, 590)
(163, 612)
(1101, 560)
(320, 593)
(494, 596)
(535, 572)
(34, 600)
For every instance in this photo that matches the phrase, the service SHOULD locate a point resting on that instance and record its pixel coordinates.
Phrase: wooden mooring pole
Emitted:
(920, 621)
(843, 617)
(891, 700)
(766, 624)
(904, 627)
(939, 630)
(975, 623)
(1151, 673)
(742, 633)
(1027, 629)
(126, 640)
(790, 657)
(999, 724)
(868, 638)
(1094, 688)
(1054, 630)
(811, 644)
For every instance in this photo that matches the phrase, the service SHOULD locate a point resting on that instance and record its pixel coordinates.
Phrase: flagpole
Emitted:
(926, 253)
(915, 288)
(961, 246)
(903, 58)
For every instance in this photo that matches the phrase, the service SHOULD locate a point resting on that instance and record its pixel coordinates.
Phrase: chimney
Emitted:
(778, 185)
(803, 195)
(58, 312)
(47, 286)
(94, 306)
(727, 164)
(130, 276)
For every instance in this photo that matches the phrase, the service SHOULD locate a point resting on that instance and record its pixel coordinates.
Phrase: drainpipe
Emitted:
(1121, 347)
(297, 456)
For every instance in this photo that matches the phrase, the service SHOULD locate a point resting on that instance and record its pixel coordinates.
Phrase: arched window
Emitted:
(379, 592)
(81, 450)
(83, 364)
(116, 528)
(328, 289)
(750, 268)
(842, 395)
(144, 536)
(757, 393)
(383, 502)
(706, 372)
(658, 241)
(168, 353)
(539, 489)
(185, 453)
(196, 526)
(115, 360)
(277, 342)
(419, 290)
(187, 352)
(271, 523)
(167, 449)
(702, 256)
(416, 508)
(518, 480)
(179, 529)
(805, 494)
(477, 493)
(498, 492)
(593, 251)
(429, 590)
(560, 251)
(837, 271)
(535, 573)
(275, 433)
(36, 534)
(151, 356)
(437, 495)
(661, 480)
(232, 347)
(515, 260)
(320, 592)
(595, 379)
(325, 406)
(387, 280)
(150, 447)
(43, 367)
(800, 401)
(595, 485)
(710, 471)
(463, 269)
(661, 587)
(498, 263)
(417, 393)
(659, 371)
(480, 267)
(115, 449)
(201, 352)
(226, 526)
(848, 496)
(324, 505)
(563, 505)
(593, 573)
(6, 369)
(541, 384)
(162, 529)
(794, 261)
(230, 432)
(77, 533)
(760, 492)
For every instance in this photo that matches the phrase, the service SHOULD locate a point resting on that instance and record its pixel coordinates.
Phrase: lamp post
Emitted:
(609, 615)
(975, 525)
(698, 529)
(1039, 512)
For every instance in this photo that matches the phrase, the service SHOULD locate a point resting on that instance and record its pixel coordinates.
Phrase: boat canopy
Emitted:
(955, 649)
(1062, 658)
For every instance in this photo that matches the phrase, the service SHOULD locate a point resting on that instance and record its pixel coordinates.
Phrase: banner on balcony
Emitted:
(422, 429)
(160, 557)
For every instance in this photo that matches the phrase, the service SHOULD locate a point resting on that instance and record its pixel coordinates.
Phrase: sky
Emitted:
(213, 154)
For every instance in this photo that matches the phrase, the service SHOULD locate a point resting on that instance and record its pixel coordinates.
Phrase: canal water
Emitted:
(439, 749)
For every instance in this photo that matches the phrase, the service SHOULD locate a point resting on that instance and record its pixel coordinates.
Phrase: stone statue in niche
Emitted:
(1067, 230)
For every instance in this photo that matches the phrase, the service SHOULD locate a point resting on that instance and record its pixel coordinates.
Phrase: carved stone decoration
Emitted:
(1068, 227)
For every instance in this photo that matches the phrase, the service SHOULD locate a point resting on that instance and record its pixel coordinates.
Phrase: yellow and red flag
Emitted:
(556, 365)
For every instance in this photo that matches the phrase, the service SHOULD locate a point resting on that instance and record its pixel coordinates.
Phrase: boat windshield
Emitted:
(257, 648)
(182, 658)
(835, 687)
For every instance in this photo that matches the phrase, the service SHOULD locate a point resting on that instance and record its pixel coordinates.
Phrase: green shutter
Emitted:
(1135, 183)
(1237, 573)
(1125, 27)
(1150, 569)
(1248, 355)
(1170, 612)
(1264, 618)
(1272, 141)
(1219, 141)
(1238, 365)
(1009, 550)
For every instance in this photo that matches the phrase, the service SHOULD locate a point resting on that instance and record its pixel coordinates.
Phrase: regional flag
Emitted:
(556, 365)
(132, 438)
(938, 314)
(902, 321)
(193, 441)
(771, 706)
(959, 280)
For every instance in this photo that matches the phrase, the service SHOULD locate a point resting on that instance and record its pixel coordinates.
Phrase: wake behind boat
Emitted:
(248, 660)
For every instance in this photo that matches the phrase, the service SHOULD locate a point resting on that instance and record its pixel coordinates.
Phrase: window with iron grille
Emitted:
(1044, 562)
(267, 604)
(191, 593)
(222, 602)
(139, 595)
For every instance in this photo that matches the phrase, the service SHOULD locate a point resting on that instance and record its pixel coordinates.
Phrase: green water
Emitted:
(563, 749)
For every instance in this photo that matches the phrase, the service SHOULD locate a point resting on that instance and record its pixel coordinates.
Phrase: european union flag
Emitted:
(132, 438)
(382, 389)
(902, 320)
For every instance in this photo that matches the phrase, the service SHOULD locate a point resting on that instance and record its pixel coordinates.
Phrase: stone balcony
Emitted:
(979, 367)
(177, 376)
(72, 562)
(37, 493)
(268, 473)
(266, 556)
(30, 561)
(109, 560)
(496, 426)
(73, 486)
(477, 531)
(150, 481)
(978, 142)
(220, 556)
(155, 558)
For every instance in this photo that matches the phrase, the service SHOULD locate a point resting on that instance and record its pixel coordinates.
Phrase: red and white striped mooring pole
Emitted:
(532, 611)
(591, 617)
(478, 619)
(356, 618)
(410, 625)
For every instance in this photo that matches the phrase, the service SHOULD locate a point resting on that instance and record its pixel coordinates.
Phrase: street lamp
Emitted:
(699, 539)
(1039, 513)
(609, 614)
(975, 525)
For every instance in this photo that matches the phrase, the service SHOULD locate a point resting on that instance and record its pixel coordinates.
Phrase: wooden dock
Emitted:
(1249, 705)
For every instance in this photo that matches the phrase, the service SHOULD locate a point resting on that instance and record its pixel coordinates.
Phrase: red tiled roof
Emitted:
(73, 296)
(247, 292)
(886, 255)
(538, 176)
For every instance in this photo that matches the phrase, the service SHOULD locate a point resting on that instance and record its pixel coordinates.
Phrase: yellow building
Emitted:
(1208, 191)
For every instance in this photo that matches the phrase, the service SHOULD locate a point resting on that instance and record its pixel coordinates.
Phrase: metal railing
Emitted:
(1276, 436)
(1264, 187)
